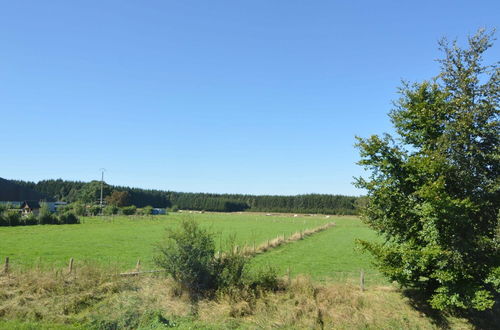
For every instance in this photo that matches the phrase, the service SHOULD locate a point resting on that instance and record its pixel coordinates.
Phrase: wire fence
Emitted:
(362, 278)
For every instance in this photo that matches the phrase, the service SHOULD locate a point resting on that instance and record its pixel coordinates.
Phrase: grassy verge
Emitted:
(94, 299)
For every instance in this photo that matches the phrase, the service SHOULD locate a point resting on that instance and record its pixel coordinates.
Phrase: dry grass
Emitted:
(281, 240)
(96, 298)
(305, 305)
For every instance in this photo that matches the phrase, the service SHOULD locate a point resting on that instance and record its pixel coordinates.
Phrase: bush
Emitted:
(129, 210)
(45, 217)
(111, 210)
(68, 218)
(174, 208)
(29, 220)
(12, 218)
(3, 221)
(93, 210)
(146, 210)
(188, 255)
(230, 267)
(266, 279)
(78, 208)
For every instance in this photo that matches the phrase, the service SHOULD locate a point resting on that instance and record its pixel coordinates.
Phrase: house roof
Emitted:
(31, 204)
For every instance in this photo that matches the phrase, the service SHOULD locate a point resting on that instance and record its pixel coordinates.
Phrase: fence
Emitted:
(361, 278)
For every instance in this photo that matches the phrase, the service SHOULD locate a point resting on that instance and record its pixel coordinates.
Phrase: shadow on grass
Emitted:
(479, 320)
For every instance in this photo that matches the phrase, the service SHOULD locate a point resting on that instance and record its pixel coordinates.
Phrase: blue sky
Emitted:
(260, 97)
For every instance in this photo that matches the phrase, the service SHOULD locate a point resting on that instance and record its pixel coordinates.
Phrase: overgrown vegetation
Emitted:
(94, 298)
(434, 193)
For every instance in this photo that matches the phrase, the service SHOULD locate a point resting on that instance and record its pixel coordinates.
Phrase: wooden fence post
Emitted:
(70, 266)
(362, 280)
(6, 266)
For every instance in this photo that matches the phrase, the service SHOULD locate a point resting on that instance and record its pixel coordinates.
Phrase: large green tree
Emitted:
(91, 192)
(433, 192)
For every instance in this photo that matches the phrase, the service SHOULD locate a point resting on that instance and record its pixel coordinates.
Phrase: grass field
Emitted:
(39, 298)
(328, 255)
(120, 241)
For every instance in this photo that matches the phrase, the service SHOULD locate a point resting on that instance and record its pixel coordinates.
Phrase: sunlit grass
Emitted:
(120, 241)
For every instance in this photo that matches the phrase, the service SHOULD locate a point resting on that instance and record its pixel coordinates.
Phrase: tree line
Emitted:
(77, 191)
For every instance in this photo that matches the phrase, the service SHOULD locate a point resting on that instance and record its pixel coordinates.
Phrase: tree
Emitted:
(91, 192)
(434, 192)
(118, 198)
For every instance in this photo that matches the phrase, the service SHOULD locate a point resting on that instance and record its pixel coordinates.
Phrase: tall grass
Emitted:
(93, 297)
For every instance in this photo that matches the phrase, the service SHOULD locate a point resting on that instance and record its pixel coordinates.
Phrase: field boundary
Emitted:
(254, 250)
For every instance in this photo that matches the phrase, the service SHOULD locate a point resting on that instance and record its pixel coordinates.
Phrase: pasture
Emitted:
(328, 255)
(93, 298)
(120, 241)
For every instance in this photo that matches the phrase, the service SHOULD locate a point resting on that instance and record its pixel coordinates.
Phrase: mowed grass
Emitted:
(120, 241)
(328, 255)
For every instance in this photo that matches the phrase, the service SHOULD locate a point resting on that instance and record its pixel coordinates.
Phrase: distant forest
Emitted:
(77, 191)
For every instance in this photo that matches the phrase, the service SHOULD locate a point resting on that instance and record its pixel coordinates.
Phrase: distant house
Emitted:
(29, 207)
(54, 206)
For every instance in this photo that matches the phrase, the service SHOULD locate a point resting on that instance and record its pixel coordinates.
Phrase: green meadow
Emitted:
(328, 255)
(120, 241)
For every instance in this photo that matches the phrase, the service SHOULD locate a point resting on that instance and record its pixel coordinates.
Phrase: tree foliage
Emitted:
(91, 192)
(118, 198)
(75, 191)
(434, 192)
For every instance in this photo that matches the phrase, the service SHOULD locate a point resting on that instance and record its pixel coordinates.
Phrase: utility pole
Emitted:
(102, 186)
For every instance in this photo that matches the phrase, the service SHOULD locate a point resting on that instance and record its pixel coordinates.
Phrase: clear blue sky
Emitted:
(261, 97)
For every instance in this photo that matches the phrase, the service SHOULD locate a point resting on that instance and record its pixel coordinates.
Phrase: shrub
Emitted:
(3, 221)
(188, 255)
(93, 210)
(78, 208)
(146, 210)
(45, 217)
(174, 208)
(12, 218)
(111, 210)
(29, 220)
(129, 210)
(229, 267)
(68, 218)
(265, 279)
